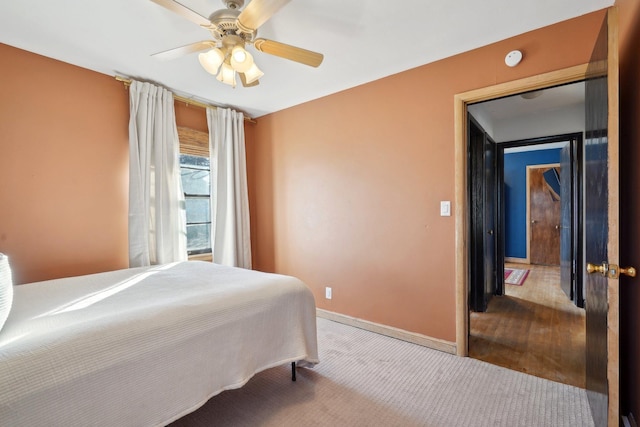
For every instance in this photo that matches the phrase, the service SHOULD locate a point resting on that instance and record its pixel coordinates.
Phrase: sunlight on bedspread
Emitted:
(145, 346)
(86, 301)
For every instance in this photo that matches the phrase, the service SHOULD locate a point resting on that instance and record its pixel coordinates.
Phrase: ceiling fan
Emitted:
(232, 31)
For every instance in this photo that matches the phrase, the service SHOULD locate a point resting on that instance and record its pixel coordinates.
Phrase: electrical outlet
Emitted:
(327, 292)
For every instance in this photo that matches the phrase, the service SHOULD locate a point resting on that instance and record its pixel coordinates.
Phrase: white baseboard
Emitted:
(390, 331)
(516, 260)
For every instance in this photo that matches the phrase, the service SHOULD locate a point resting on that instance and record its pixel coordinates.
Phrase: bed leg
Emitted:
(293, 371)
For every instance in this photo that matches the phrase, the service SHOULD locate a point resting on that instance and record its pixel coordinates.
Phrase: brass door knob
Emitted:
(629, 271)
(593, 268)
(610, 270)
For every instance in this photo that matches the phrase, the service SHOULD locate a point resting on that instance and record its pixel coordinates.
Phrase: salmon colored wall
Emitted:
(348, 187)
(191, 117)
(629, 16)
(250, 144)
(63, 168)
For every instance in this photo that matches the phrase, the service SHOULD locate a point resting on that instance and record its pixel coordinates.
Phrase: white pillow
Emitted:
(6, 289)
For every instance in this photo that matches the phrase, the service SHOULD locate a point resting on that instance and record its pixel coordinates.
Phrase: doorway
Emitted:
(464, 263)
(534, 327)
(462, 268)
(531, 325)
(541, 222)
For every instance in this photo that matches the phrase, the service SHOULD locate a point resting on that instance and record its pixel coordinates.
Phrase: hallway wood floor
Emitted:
(534, 328)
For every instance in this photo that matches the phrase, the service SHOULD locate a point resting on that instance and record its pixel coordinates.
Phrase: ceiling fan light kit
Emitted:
(211, 60)
(232, 30)
(227, 75)
(241, 60)
(253, 74)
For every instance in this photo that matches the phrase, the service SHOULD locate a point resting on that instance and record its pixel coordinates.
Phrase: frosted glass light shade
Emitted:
(211, 60)
(253, 74)
(239, 54)
(227, 75)
(241, 60)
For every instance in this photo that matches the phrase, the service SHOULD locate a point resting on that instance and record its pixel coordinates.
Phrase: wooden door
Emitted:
(601, 226)
(482, 200)
(566, 248)
(571, 220)
(476, 279)
(500, 206)
(489, 190)
(544, 216)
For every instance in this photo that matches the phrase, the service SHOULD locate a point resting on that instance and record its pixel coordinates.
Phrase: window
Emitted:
(195, 171)
(196, 184)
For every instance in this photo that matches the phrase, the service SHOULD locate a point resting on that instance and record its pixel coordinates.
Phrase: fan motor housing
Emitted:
(224, 18)
(225, 22)
(233, 4)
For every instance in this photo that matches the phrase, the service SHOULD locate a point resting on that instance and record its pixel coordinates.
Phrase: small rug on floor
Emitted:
(515, 276)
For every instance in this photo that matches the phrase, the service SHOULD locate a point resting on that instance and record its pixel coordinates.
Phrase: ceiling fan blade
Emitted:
(243, 79)
(184, 50)
(258, 12)
(297, 54)
(184, 11)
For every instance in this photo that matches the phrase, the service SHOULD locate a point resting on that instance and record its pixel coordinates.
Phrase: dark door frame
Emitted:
(486, 281)
(576, 148)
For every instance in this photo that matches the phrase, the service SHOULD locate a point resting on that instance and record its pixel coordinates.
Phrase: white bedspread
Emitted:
(144, 346)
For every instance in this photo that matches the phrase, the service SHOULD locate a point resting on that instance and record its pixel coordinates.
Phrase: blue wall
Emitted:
(515, 187)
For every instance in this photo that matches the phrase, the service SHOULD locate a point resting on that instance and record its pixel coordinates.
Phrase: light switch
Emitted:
(445, 208)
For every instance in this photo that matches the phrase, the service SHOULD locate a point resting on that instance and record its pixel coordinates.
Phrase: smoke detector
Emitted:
(513, 58)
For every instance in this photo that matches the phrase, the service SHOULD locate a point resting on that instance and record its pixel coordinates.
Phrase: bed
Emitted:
(145, 346)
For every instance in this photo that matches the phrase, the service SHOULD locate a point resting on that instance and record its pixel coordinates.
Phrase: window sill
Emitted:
(201, 257)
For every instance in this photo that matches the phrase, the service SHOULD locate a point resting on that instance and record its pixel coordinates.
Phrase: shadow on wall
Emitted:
(261, 197)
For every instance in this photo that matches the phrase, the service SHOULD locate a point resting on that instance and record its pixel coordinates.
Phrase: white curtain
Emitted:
(230, 236)
(157, 225)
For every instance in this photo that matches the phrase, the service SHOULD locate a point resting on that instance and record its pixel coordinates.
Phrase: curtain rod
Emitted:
(127, 83)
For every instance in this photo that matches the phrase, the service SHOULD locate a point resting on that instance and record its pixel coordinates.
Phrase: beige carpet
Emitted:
(366, 379)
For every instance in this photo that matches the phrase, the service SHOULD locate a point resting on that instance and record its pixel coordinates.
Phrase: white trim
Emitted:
(201, 257)
(390, 331)
(537, 147)
(516, 260)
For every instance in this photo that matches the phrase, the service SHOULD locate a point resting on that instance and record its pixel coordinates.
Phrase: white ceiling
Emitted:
(554, 99)
(362, 40)
(553, 111)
